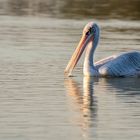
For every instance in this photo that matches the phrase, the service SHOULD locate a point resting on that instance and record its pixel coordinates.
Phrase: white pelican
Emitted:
(122, 65)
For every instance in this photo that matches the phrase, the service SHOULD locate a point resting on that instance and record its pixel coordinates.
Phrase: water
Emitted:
(36, 101)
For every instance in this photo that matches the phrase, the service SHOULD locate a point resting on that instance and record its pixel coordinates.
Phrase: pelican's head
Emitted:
(90, 33)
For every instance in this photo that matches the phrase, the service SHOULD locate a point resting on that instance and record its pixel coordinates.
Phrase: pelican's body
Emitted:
(121, 65)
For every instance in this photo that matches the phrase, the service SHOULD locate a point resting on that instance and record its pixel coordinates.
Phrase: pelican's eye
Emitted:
(88, 32)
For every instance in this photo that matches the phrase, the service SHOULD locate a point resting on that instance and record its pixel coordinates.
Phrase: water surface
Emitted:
(37, 102)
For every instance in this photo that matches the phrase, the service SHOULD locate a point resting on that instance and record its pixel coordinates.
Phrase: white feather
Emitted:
(127, 64)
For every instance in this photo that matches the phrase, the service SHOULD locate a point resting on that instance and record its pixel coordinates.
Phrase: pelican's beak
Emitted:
(77, 53)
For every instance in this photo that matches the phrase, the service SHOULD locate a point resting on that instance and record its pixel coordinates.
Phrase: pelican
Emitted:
(121, 65)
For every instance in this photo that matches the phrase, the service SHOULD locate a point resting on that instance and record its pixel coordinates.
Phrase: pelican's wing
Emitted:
(104, 61)
(126, 64)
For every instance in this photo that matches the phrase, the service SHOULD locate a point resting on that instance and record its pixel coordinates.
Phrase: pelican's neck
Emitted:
(89, 68)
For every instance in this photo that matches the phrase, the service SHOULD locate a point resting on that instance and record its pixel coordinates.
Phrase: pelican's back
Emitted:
(127, 64)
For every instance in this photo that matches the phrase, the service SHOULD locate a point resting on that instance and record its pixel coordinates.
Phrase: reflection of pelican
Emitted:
(89, 104)
(85, 100)
(88, 90)
(122, 65)
(107, 113)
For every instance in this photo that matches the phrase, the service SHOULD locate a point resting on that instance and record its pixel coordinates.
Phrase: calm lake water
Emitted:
(37, 102)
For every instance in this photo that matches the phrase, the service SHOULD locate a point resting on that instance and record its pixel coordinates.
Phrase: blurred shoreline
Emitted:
(72, 9)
